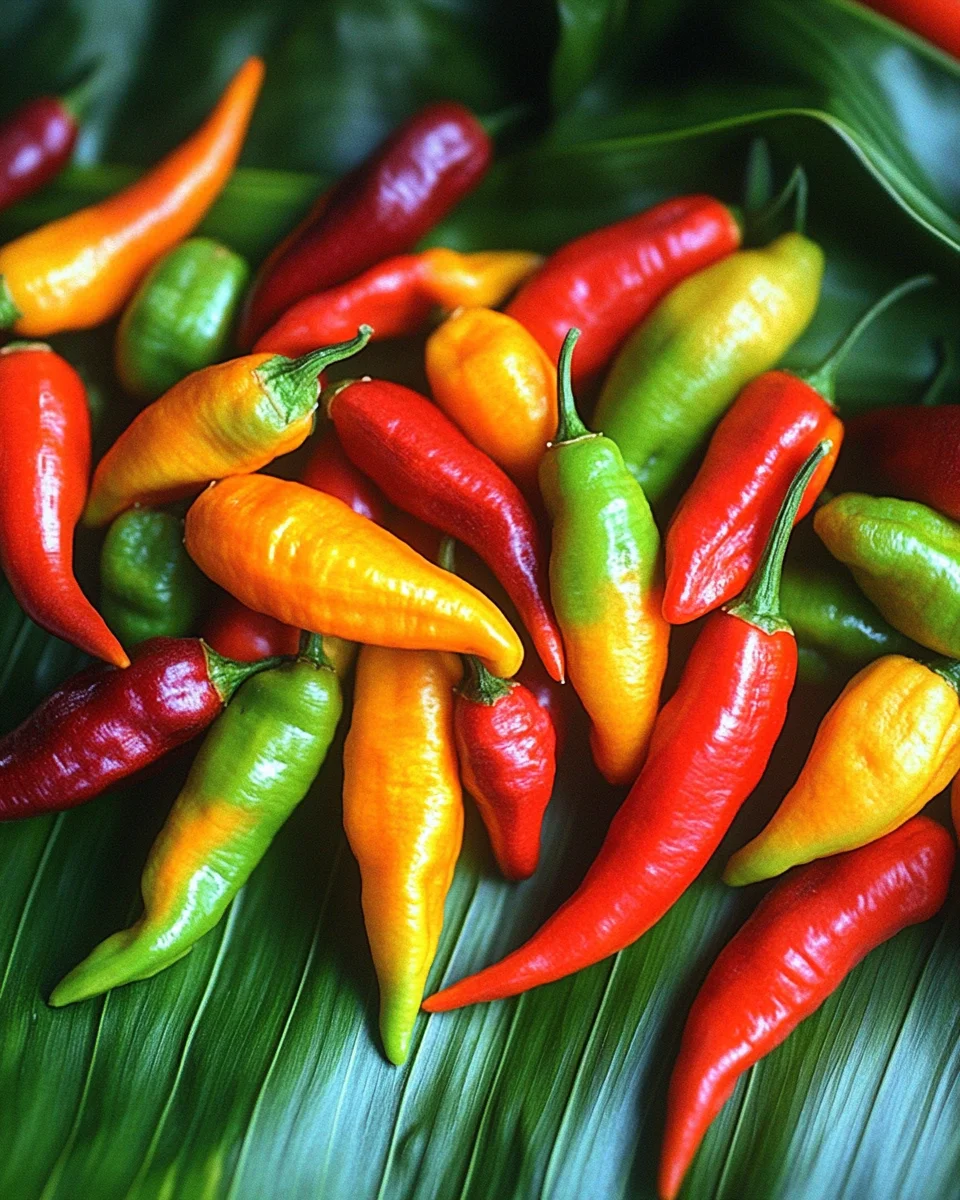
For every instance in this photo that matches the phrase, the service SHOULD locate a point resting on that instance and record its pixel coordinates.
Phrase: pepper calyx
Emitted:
(481, 686)
(227, 674)
(293, 383)
(312, 650)
(9, 313)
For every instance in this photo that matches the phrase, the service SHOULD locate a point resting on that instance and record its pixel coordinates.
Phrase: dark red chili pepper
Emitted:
(806, 935)
(382, 208)
(425, 465)
(329, 470)
(104, 724)
(35, 145)
(606, 282)
(709, 747)
(236, 631)
(44, 471)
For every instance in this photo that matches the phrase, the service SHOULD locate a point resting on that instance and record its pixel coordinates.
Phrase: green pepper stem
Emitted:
(480, 685)
(569, 426)
(226, 674)
(759, 604)
(311, 650)
(292, 382)
(447, 554)
(946, 668)
(78, 99)
(945, 367)
(9, 313)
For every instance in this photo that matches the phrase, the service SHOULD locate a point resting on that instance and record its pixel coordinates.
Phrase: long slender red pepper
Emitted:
(425, 465)
(606, 282)
(710, 745)
(36, 142)
(807, 934)
(380, 209)
(329, 470)
(104, 724)
(44, 471)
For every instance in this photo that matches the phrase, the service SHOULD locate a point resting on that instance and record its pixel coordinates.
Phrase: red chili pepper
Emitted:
(606, 282)
(709, 747)
(380, 209)
(554, 698)
(508, 759)
(104, 724)
(937, 20)
(807, 934)
(329, 470)
(44, 470)
(238, 632)
(425, 465)
(35, 145)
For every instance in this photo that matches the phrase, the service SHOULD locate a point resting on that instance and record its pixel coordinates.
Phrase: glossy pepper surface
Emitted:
(36, 143)
(308, 560)
(104, 724)
(403, 815)
(424, 464)
(709, 748)
(228, 419)
(606, 282)
(79, 271)
(606, 581)
(398, 297)
(889, 744)
(44, 468)
(681, 370)
(253, 769)
(805, 936)
(180, 317)
(380, 209)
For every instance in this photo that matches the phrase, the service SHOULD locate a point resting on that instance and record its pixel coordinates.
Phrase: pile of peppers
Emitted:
(585, 536)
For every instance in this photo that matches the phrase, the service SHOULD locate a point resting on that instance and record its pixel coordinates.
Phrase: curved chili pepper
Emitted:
(424, 464)
(889, 744)
(805, 936)
(329, 470)
(932, 19)
(104, 724)
(255, 766)
(553, 697)
(228, 419)
(36, 143)
(381, 208)
(606, 282)
(79, 271)
(709, 748)
(403, 815)
(399, 296)
(44, 467)
(241, 633)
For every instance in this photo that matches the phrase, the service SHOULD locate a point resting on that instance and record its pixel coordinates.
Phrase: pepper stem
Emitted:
(78, 99)
(823, 378)
(9, 313)
(947, 668)
(226, 674)
(447, 554)
(763, 223)
(292, 382)
(481, 686)
(569, 427)
(759, 604)
(311, 650)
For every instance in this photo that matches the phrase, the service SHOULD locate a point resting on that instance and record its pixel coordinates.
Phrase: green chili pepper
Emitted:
(906, 557)
(680, 371)
(180, 318)
(149, 584)
(255, 766)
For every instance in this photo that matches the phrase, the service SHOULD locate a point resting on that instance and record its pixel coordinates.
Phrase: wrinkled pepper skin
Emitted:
(306, 559)
(380, 209)
(905, 557)
(804, 938)
(399, 297)
(44, 468)
(36, 143)
(403, 815)
(329, 470)
(714, 332)
(80, 271)
(606, 282)
(889, 744)
(255, 766)
(606, 582)
(228, 419)
(104, 724)
(180, 317)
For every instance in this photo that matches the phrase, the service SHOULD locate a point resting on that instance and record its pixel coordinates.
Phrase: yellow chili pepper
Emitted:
(403, 813)
(889, 744)
(79, 271)
(481, 279)
(309, 560)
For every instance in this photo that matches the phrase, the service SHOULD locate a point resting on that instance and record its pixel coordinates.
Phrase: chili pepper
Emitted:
(492, 378)
(399, 296)
(718, 530)
(79, 271)
(241, 633)
(906, 557)
(255, 766)
(709, 748)
(552, 697)
(425, 465)
(103, 724)
(329, 470)
(681, 370)
(36, 143)
(381, 208)
(606, 282)
(933, 19)
(403, 814)
(228, 419)
(44, 466)
(180, 317)
(804, 938)
(606, 580)
(306, 559)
